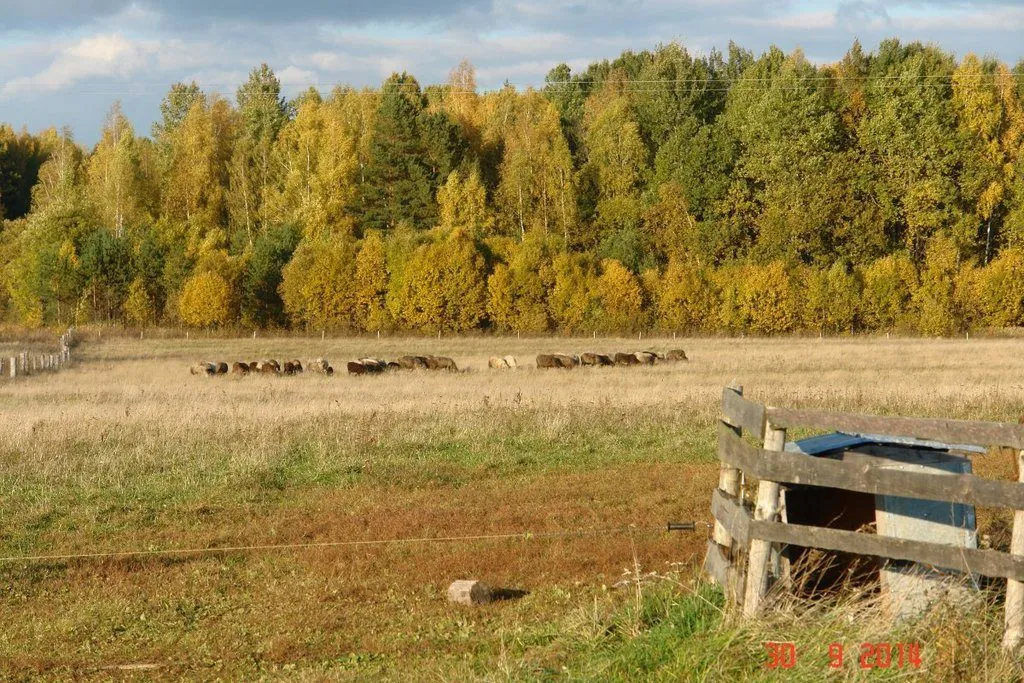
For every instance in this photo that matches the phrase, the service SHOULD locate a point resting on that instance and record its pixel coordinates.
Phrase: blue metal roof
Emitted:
(839, 441)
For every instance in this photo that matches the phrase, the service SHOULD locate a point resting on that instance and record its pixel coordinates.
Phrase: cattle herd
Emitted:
(372, 366)
(262, 367)
(561, 360)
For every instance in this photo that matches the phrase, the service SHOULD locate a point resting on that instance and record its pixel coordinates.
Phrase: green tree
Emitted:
(261, 303)
(397, 182)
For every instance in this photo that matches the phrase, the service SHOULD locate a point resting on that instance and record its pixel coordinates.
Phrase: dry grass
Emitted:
(127, 450)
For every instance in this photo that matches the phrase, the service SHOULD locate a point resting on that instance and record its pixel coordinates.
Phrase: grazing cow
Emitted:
(567, 362)
(626, 359)
(320, 366)
(297, 366)
(413, 362)
(239, 369)
(254, 366)
(374, 365)
(289, 368)
(392, 365)
(676, 354)
(497, 363)
(441, 363)
(356, 368)
(268, 367)
(546, 360)
(222, 368)
(204, 368)
(590, 359)
(646, 357)
(512, 363)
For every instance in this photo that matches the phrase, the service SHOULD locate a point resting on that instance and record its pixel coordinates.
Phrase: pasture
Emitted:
(128, 451)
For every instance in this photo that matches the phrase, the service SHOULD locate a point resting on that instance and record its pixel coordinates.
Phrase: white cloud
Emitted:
(804, 21)
(294, 78)
(104, 55)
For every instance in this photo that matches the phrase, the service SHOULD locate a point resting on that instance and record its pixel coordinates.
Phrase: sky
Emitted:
(64, 62)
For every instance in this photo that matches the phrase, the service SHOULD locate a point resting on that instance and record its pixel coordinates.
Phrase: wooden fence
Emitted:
(738, 556)
(26, 363)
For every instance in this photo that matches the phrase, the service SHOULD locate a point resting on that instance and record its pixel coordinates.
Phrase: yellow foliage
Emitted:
(462, 204)
(372, 313)
(889, 285)
(999, 291)
(205, 300)
(766, 300)
(831, 299)
(571, 303)
(620, 298)
(138, 306)
(444, 286)
(317, 284)
(686, 298)
(935, 299)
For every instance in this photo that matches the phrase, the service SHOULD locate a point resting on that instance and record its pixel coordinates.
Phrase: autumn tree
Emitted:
(371, 285)
(205, 300)
(317, 284)
(115, 182)
(536, 190)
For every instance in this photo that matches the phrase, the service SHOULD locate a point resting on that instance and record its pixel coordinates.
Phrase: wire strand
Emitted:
(524, 535)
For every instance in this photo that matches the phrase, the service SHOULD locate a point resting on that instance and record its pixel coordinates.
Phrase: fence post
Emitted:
(1014, 633)
(767, 508)
(728, 482)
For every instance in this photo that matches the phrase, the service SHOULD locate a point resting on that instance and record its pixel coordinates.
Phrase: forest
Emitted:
(661, 190)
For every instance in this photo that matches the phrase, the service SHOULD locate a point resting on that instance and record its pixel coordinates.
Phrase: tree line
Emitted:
(659, 190)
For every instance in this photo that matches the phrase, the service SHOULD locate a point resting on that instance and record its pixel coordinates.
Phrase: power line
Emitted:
(523, 535)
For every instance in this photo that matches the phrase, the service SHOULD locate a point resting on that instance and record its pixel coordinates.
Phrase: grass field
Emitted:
(127, 451)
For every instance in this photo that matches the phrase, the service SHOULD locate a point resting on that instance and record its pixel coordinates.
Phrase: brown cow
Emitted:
(676, 354)
(546, 360)
(565, 361)
(595, 359)
(254, 366)
(413, 362)
(441, 363)
(356, 368)
(289, 368)
(626, 359)
(222, 368)
(239, 369)
(374, 365)
(269, 368)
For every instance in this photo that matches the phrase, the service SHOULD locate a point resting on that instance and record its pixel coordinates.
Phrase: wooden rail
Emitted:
(739, 555)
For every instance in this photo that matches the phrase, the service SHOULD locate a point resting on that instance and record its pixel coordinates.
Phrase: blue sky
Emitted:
(65, 62)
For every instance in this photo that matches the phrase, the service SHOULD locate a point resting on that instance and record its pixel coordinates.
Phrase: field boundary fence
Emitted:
(27, 363)
(749, 535)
